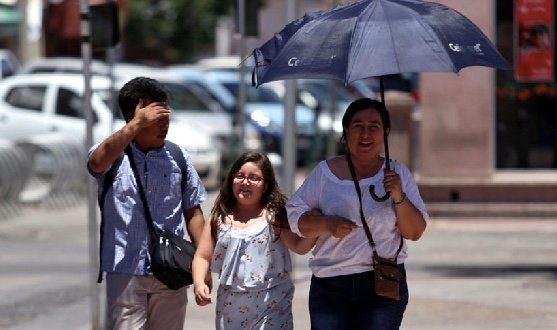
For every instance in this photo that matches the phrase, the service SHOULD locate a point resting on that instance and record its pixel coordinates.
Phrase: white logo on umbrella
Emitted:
(293, 61)
(455, 47)
(478, 49)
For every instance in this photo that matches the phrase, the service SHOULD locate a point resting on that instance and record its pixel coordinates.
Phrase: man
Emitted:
(135, 298)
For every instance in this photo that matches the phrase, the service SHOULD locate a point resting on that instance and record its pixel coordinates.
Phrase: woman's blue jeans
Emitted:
(349, 302)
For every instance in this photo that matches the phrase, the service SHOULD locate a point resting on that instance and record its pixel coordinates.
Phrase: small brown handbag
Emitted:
(386, 273)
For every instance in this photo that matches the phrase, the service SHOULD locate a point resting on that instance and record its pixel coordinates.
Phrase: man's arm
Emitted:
(113, 146)
(194, 223)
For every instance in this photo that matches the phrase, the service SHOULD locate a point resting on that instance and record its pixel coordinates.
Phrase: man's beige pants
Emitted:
(143, 302)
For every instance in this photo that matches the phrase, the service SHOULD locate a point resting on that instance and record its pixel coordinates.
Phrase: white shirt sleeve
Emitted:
(410, 187)
(305, 198)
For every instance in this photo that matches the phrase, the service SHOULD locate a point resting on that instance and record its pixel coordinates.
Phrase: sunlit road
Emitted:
(462, 274)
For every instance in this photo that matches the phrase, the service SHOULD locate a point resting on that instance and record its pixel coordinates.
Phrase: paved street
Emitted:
(463, 274)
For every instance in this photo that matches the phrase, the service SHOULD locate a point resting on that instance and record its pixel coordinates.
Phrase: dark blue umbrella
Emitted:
(373, 38)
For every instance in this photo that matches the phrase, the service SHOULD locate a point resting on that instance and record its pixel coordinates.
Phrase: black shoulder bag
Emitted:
(171, 255)
(386, 273)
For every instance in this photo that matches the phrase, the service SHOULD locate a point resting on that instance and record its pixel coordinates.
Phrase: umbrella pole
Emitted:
(387, 159)
(386, 142)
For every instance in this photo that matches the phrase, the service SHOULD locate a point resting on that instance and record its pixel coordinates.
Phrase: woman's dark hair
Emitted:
(140, 88)
(273, 199)
(364, 104)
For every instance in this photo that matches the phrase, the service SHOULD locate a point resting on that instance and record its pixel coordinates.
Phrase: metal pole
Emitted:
(289, 137)
(91, 188)
(241, 115)
(111, 59)
(23, 44)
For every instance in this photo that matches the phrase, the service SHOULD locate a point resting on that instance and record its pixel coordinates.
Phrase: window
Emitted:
(70, 104)
(27, 97)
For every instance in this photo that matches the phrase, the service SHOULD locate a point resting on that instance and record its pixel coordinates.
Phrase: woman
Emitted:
(246, 242)
(326, 206)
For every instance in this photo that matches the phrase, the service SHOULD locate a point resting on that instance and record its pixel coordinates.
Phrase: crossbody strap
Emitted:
(364, 222)
(148, 217)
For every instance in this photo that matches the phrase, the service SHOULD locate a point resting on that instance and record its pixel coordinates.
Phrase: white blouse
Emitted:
(332, 196)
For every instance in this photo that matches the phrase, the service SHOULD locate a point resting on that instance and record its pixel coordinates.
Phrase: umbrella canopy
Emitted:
(375, 38)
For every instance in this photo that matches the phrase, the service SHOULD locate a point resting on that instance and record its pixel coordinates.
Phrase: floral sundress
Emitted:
(255, 290)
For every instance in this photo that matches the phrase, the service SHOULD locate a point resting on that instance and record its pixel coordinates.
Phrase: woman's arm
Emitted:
(201, 264)
(410, 220)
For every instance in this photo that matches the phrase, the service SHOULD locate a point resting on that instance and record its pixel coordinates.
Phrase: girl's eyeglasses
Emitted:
(252, 178)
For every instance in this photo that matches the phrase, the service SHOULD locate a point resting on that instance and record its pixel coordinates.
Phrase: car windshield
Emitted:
(254, 95)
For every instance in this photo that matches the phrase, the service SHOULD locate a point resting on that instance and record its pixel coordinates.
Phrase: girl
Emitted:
(246, 242)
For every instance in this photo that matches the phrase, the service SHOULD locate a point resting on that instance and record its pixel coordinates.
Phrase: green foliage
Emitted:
(171, 31)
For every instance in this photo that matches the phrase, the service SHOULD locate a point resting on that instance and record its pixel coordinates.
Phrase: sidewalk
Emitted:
(463, 274)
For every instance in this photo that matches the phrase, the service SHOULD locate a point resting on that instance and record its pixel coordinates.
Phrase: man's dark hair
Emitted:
(138, 88)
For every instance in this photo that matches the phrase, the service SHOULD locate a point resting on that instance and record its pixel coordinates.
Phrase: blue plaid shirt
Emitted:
(126, 235)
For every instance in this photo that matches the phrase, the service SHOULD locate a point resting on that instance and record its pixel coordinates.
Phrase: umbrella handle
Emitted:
(378, 198)
(372, 187)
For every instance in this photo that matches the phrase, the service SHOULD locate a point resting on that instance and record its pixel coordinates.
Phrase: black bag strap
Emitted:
(148, 217)
(176, 153)
(364, 222)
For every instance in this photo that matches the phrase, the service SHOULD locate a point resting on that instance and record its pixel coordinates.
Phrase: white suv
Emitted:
(41, 103)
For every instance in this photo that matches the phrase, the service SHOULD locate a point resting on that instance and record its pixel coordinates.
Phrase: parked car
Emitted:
(254, 134)
(316, 95)
(53, 102)
(264, 109)
(64, 64)
(190, 103)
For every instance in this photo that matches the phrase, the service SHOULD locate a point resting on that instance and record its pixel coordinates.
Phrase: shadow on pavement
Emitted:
(492, 271)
